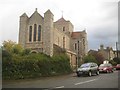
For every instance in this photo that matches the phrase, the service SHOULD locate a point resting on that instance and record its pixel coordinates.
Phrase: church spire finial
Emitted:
(62, 14)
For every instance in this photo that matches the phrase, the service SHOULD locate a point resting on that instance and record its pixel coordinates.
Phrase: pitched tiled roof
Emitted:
(77, 34)
(92, 51)
(61, 20)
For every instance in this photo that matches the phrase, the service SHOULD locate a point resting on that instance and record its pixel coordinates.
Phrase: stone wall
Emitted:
(58, 39)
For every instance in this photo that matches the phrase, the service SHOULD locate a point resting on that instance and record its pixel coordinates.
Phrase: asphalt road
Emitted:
(103, 80)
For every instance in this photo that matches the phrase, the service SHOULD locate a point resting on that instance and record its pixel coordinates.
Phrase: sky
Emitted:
(98, 17)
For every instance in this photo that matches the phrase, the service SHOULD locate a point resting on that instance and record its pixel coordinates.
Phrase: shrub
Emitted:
(26, 51)
(113, 62)
(90, 58)
(117, 60)
(35, 65)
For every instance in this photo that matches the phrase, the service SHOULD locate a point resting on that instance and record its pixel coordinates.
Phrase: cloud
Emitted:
(99, 17)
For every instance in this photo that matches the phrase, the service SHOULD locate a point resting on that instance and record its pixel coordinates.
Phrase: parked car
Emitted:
(117, 67)
(106, 68)
(88, 69)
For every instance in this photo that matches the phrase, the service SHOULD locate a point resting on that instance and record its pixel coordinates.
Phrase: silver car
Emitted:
(88, 69)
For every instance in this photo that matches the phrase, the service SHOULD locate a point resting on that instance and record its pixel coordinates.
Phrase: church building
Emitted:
(42, 34)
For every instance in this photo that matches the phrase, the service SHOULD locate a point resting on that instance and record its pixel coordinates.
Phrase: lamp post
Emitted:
(77, 58)
(78, 54)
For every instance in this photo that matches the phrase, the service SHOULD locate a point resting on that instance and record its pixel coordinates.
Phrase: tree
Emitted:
(117, 60)
(12, 47)
(90, 58)
(99, 57)
(113, 62)
(8, 45)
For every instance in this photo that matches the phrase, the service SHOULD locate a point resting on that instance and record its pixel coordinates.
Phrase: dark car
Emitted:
(106, 68)
(88, 69)
(117, 67)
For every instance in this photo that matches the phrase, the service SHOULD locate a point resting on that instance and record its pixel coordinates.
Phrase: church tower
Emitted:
(23, 29)
(48, 33)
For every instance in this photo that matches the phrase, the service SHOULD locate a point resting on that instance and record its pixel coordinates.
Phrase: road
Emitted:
(103, 80)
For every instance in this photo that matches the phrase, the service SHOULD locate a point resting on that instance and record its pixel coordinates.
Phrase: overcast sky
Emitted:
(98, 17)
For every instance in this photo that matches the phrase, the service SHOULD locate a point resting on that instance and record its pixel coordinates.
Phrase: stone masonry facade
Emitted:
(40, 34)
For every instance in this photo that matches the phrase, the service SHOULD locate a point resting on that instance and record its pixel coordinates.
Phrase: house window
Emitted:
(75, 46)
(63, 28)
(30, 33)
(63, 42)
(35, 27)
(39, 33)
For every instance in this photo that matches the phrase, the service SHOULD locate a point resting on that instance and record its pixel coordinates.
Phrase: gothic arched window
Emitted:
(39, 33)
(63, 42)
(75, 46)
(30, 33)
(63, 28)
(35, 30)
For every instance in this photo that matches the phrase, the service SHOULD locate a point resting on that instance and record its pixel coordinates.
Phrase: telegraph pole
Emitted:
(117, 49)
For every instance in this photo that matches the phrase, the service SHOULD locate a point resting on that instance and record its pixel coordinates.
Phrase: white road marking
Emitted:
(60, 87)
(85, 82)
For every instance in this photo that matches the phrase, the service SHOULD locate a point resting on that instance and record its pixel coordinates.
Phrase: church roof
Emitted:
(77, 34)
(24, 15)
(61, 20)
(35, 14)
(48, 11)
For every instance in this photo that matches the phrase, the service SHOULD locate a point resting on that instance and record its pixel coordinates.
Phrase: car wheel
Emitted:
(112, 71)
(78, 74)
(89, 73)
(97, 73)
(107, 71)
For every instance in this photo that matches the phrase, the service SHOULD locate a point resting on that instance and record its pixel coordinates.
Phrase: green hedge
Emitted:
(34, 65)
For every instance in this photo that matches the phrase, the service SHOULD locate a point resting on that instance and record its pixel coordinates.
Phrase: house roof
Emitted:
(92, 51)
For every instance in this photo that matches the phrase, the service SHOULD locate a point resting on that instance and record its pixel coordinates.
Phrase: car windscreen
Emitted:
(118, 64)
(85, 65)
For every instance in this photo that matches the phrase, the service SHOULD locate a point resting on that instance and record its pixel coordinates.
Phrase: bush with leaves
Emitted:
(113, 62)
(35, 65)
(90, 58)
(117, 60)
(19, 63)
(12, 47)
